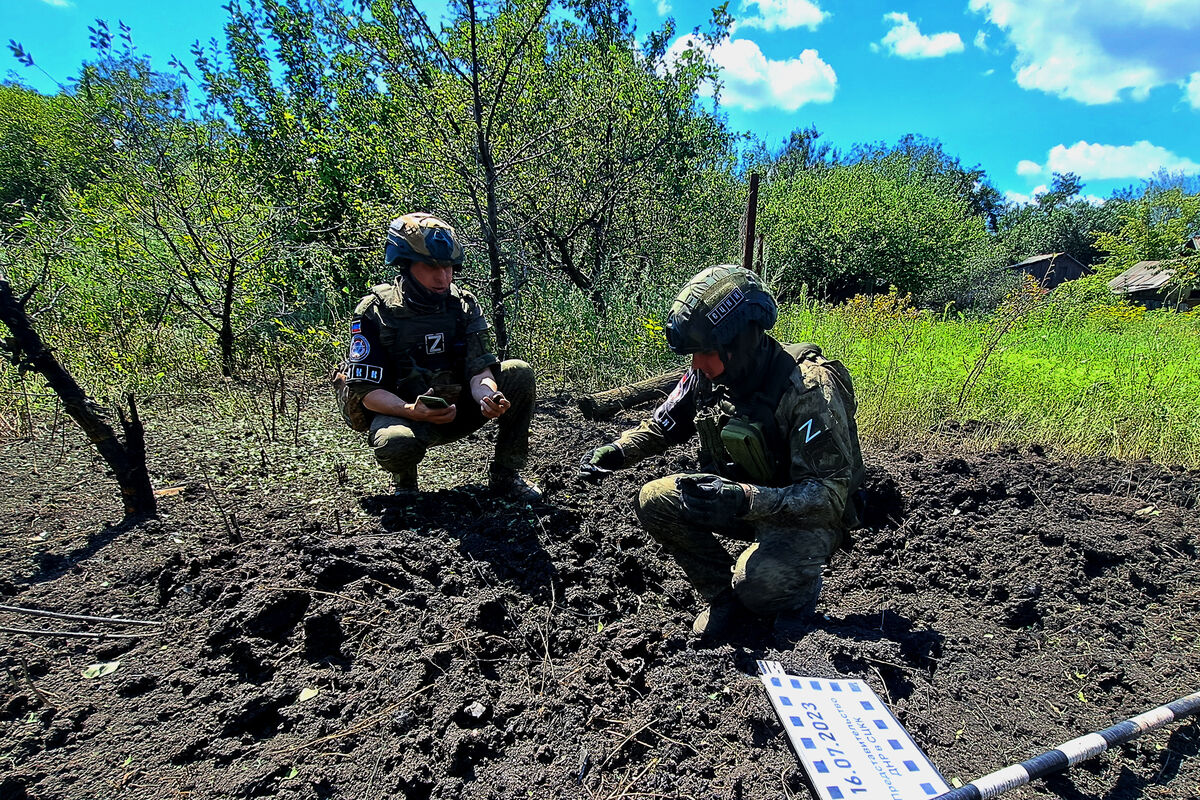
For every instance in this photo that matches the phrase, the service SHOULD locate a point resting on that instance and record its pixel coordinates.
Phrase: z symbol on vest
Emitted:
(435, 343)
(809, 433)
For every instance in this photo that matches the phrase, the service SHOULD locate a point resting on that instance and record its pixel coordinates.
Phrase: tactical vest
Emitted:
(742, 441)
(425, 349)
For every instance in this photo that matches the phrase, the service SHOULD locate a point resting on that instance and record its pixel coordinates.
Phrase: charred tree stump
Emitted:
(128, 460)
(602, 405)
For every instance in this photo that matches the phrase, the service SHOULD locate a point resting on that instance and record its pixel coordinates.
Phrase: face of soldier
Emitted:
(434, 278)
(708, 362)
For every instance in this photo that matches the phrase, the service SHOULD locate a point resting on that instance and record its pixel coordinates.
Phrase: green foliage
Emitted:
(1059, 222)
(855, 228)
(47, 146)
(918, 159)
(1152, 228)
(175, 227)
(1121, 381)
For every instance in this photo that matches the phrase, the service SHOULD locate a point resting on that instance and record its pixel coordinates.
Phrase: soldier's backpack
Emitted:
(349, 403)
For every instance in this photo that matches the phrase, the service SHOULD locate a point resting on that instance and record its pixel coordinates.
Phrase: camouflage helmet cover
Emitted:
(422, 237)
(715, 306)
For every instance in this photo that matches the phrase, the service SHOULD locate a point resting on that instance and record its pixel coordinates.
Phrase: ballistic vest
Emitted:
(425, 348)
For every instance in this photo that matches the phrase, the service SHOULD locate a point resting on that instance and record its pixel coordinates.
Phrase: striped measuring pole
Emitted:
(1074, 751)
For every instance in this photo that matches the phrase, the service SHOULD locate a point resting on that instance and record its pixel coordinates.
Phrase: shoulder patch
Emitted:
(810, 432)
(365, 372)
(359, 347)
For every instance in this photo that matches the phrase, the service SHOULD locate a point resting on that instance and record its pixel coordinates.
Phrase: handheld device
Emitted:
(430, 401)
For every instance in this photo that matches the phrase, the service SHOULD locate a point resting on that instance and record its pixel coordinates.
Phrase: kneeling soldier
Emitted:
(778, 448)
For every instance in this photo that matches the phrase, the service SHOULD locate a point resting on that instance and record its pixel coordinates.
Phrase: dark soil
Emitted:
(463, 646)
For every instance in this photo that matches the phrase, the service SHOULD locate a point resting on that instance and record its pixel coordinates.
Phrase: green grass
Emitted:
(1109, 383)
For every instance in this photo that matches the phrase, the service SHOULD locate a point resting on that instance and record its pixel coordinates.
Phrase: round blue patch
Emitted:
(359, 347)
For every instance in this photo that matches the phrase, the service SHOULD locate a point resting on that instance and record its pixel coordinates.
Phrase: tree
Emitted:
(924, 160)
(1152, 228)
(859, 228)
(627, 185)
(203, 237)
(558, 138)
(25, 349)
(316, 133)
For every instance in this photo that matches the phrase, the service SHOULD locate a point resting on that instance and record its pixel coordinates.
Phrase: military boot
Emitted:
(724, 617)
(509, 483)
(405, 484)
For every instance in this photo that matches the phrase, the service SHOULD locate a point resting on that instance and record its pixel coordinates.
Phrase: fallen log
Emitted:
(602, 405)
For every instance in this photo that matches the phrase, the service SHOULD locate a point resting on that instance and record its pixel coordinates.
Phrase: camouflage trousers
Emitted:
(779, 571)
(400, 444)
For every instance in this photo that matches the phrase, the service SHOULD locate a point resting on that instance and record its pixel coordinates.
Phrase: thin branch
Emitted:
(77, 634)
(37, 612)
(513, 58)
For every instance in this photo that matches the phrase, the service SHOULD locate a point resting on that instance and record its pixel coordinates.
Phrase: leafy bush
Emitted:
(854, 229)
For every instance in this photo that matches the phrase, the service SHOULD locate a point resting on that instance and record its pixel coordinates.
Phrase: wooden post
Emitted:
(751, 219)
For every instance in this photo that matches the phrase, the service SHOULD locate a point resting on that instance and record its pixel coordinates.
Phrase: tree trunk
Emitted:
(226, 335)
(128, 461)
(602, 405)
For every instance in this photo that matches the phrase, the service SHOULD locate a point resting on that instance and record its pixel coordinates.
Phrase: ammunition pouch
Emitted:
(708, 428)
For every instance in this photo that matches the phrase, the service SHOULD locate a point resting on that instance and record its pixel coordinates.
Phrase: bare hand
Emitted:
(437, 416)
(494, 405)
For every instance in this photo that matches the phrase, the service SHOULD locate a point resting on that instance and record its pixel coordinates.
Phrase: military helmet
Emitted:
(717, 305)
(422, 237)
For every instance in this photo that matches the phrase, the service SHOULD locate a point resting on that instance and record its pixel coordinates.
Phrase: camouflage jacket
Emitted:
(810, 427)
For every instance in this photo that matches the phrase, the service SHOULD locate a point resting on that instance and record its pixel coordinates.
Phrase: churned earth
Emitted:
(322, 640)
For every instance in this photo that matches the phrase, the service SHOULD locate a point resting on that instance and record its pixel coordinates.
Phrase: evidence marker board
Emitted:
(848, 741)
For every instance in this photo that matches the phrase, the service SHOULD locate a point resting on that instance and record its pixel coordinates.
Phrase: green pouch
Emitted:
(747, 447)
(708, 428)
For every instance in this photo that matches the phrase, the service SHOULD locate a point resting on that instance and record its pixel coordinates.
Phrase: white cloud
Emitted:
(981, 40)
(906, 40)
(1024, 199)
(782, 14)
(1027, 167)
(1103, 161)
(59, 3)
(1192, 90)
(664, 7)
(753, 81)
(1096, 51)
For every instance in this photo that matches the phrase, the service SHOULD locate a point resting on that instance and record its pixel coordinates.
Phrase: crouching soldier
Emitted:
(779, 455)
(420, 364)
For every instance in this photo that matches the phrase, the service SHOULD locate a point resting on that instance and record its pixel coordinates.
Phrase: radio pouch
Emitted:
(746, 445)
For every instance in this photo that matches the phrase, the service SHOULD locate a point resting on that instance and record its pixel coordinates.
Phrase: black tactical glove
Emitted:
(710, 500)
(602, 461)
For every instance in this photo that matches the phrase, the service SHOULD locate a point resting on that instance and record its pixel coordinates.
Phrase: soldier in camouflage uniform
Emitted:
(778, 448)
(421, 338)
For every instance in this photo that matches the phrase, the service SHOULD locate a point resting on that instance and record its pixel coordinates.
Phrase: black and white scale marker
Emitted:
(849, 742)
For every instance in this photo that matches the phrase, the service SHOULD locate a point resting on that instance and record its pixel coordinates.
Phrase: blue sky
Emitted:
(1108, 89)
